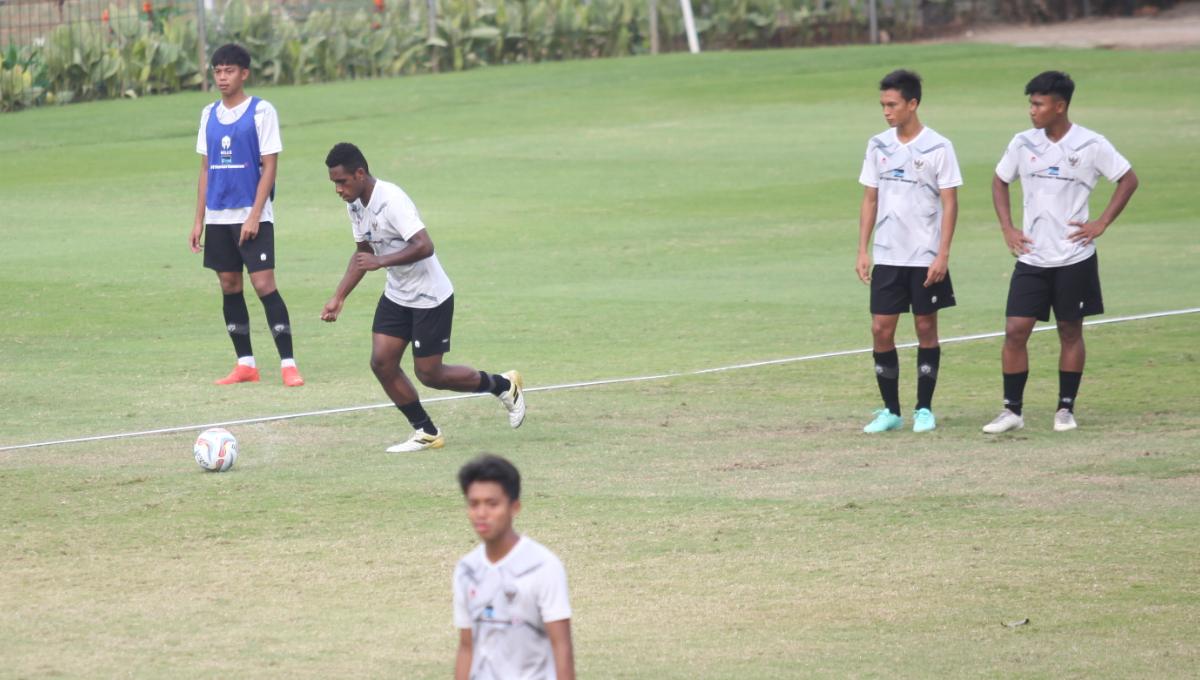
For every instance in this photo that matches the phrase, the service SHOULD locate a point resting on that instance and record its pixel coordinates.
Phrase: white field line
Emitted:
(568, 386)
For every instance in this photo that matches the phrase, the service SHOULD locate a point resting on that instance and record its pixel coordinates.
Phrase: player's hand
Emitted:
(1018, 243)
(194, 239)
(1087, 231)
(332, 309)
(366, 262)
(863, 267)
(249, 231)
(937, 270)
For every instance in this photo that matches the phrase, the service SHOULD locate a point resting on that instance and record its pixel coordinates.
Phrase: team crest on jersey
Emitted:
(226, 149)
(1073, 160)
(919, 163)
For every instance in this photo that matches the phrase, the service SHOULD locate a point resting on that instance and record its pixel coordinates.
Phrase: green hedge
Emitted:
(131, 53)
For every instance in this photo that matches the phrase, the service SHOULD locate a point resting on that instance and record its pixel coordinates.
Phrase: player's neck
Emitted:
(909, 131)
(367, 193)
(498, 549)
(1058, 129)
(234, 99)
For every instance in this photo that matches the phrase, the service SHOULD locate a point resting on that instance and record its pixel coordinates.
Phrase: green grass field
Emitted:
(600, 220)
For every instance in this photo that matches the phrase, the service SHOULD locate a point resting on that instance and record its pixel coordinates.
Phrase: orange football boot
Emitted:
(240, 374)
(291, 377)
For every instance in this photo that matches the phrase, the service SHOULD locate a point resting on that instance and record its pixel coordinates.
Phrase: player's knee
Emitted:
(881, 330)
(430, 376)
(926, 326)
(1070, 333)
(1015, 333)
(383, 367)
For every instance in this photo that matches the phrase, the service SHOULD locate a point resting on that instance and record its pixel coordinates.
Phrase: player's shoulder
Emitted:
(1080, 137)
(1031, 137)
(207, 109)
(534, 555)
(472, 563)
(933, 139)
(265, 106)
(883, 140)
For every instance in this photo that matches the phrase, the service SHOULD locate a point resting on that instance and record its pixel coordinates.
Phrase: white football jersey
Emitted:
(506, 606)
(909, 177)
(1057, 178)
(387, 223)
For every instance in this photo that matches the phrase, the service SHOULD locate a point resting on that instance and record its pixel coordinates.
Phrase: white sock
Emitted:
(246, 361)
(287, 363)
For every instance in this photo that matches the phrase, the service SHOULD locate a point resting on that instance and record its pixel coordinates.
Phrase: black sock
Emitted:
(237, 322)
(1068, 387)
(1014, 390)
(417, 417)
(492, 382)
(887, 374)
(928, 359)
(277, 319)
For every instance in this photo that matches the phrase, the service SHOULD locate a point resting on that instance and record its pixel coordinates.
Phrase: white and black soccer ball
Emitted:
(216, 449)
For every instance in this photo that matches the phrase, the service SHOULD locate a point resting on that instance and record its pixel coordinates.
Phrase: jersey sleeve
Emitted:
(1109, 162)
(402, 213)
(948, 174)
(553, 603)
(267, 125)
(359, 237)
(201, 139)
(462, 616)
(1008, 168)
(868, 177)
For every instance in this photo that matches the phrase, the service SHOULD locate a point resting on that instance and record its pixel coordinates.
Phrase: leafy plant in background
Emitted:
(134, 52)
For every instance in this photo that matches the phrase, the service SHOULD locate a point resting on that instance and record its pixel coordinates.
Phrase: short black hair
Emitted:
(491, 468)
(1056, 83)
(348, 156)
(907, 82)
(231, 54)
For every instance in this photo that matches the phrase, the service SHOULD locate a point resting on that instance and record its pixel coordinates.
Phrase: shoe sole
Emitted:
(1009, 429)
(223, 381)
(515, 378)
(890, 429)
(436, 445)
(1060, 428)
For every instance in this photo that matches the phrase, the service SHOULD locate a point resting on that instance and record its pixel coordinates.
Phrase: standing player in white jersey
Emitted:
(510, 593)
(239, 146)
(1058, 164)
(417, 304)
(911, 203)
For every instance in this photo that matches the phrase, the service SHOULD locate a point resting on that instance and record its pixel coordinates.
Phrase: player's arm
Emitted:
(349, 280)
(462, 660)
(420, 246)
(201, 193)
(559, 633)
(1016, 240)
(270, 164)
(1090, 231)
(866, 224)
(941, 263)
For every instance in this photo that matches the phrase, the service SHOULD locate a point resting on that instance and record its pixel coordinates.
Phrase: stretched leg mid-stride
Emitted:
(386, 353)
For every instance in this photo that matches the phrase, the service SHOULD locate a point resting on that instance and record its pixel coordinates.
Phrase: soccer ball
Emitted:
(216, 449)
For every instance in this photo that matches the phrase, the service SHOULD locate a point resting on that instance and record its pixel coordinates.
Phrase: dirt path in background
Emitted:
(1174, 29)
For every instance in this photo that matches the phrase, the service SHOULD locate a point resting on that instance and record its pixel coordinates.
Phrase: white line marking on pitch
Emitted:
(569, 386)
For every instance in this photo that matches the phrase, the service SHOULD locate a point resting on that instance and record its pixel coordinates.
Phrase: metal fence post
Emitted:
(202, 44)
(653, 26)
